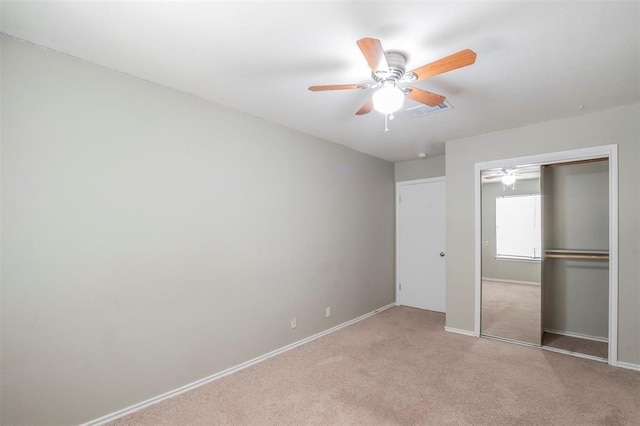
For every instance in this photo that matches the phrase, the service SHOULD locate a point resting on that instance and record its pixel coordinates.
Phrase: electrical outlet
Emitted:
(327, 312)
(293, 323)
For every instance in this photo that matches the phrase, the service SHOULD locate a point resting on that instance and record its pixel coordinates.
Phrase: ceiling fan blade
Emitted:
(372, 50)
(448, 63)
(424, 97)
(366, 108)
(338, 87)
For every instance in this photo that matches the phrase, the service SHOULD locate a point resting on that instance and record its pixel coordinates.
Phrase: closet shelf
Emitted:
(577, 254)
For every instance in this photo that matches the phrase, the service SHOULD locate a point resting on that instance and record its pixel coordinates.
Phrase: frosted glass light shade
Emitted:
(508, 179)
(388, 99)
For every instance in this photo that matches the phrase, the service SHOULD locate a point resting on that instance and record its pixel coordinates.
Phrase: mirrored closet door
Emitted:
(511, 254)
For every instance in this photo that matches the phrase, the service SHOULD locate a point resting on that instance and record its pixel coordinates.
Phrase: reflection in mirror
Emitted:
(511, 251)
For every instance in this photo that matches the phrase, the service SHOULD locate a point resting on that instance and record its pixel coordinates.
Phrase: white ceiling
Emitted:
(537, 60)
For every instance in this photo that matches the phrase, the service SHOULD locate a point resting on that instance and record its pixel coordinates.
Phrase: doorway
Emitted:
(420, 244)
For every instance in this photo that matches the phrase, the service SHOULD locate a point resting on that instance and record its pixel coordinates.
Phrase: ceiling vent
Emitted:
(422, 110)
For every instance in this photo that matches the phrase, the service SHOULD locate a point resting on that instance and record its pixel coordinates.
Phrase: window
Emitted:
(518, 227)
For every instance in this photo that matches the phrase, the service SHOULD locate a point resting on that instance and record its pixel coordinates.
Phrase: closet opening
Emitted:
(554, 284)
(575, 271)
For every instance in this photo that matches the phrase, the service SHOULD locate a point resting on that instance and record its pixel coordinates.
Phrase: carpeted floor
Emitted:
(400, 367)
(511, 311)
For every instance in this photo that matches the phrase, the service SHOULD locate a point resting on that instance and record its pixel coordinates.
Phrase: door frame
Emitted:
(610, 151)
(397, 196)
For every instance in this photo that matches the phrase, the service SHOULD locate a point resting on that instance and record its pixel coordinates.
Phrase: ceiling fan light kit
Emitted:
(510, 176)
(388, 99)
(508, 179)
(388, 69)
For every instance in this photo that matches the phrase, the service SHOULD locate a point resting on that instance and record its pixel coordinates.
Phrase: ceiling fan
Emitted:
(388, 72)
(508, 176)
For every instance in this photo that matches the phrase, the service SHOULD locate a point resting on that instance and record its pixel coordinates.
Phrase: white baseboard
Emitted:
(460, 331)
(579, 335)
(628, 365)
(139, 406)
(500, 280)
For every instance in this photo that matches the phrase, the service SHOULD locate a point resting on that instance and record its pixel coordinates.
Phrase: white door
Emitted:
(420, 244)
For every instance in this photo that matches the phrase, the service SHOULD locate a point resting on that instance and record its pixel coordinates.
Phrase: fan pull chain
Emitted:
(387, 118)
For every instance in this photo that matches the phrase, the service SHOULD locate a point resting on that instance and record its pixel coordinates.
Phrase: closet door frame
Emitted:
(608, 151)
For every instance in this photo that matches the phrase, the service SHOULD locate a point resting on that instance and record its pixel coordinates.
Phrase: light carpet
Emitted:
(400, 367)
(512, 311)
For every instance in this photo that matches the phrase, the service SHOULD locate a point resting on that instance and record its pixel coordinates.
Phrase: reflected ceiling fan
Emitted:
(508, 176)
(388, 72)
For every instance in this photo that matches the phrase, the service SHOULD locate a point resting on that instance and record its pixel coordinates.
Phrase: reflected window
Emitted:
(518, 227)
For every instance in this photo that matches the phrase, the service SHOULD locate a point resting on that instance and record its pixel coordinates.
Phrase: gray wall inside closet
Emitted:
(576, 292)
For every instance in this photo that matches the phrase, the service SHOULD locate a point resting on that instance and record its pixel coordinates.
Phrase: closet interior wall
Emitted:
(576, 241)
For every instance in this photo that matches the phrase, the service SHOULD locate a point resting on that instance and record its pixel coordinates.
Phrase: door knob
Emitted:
(441, 254)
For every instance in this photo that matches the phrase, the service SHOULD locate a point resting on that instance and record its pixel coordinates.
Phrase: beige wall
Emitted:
(619, 126)
(420, 169)
(151, 239)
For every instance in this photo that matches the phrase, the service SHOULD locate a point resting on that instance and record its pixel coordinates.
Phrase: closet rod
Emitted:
(578, 256)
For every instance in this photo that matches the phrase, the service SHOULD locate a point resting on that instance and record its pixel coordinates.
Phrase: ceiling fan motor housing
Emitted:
(396, 62)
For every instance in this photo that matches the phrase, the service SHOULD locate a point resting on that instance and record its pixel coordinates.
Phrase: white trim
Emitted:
(551, 157)
(501, 280)
(478, 247)
(610, 151)
(460, 331)
(576, 354)
(629, 365)
(578, 335)
(126, 411)
(518, 259)
(396, 284)
(613, 255)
